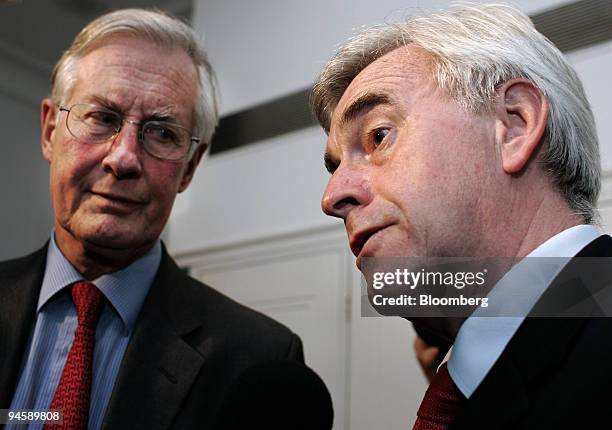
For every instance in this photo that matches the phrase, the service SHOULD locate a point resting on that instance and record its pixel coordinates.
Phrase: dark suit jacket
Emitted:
(188, 344)
(555, 373)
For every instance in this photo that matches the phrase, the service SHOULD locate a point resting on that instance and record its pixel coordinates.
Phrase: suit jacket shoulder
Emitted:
(555, 373)
(239, 328)
(20, 282)
(189, 343)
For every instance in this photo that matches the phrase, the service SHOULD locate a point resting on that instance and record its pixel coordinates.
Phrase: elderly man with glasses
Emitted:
(101, 324)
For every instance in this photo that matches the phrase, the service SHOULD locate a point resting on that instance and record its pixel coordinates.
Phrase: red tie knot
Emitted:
(89, 301)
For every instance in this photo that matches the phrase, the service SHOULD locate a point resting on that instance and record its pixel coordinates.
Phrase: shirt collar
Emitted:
(481, 340)
(125, 289)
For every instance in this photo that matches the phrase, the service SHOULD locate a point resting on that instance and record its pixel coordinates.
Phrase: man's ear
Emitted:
(522, 112)
(48, 117)
(191, 166)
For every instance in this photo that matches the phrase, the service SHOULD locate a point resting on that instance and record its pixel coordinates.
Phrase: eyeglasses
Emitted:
(94, 124)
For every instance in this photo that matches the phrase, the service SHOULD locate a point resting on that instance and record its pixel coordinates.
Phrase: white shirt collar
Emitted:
(481, 340)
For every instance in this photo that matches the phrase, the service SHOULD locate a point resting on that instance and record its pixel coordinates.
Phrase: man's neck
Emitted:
(547, 218)
(528, 224)
(93, 261)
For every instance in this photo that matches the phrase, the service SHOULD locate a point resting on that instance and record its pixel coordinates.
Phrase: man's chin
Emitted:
(104, 237)
(111, 241)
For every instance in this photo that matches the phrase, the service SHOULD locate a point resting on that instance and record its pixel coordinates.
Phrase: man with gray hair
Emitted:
(100, 323)
(466, 133)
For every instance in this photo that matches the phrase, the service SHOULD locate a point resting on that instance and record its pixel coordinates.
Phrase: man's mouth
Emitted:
(358, 240)
(118, 198)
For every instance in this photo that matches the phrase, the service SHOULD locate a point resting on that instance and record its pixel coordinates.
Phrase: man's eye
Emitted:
(162, 135)
(100, 121)
(378, 136)
(100, 118)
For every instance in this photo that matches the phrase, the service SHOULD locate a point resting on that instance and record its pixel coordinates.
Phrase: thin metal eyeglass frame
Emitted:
(141, 126)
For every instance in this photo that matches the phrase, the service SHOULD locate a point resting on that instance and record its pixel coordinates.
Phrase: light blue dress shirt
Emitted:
(481, 340)
(56, 321)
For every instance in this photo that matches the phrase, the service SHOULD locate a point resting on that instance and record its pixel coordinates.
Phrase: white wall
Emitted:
(594, 66)
(267, 189)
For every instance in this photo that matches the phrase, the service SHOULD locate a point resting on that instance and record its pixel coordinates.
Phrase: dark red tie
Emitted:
(441, 404)
(74, 389)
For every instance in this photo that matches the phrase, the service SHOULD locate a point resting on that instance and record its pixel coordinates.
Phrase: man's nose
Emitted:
(124, 156)
(347, 189)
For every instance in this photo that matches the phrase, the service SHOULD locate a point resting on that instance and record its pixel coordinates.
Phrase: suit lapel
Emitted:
(533, 352)
(502, 398)
(159, 366)
(492, 408)
(20, 283)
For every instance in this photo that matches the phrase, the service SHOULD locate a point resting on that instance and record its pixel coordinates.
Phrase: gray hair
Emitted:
(159, 28)
(474, 49)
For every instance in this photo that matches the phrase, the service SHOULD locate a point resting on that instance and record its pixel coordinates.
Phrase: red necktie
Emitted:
(441, 404)
(74, 389)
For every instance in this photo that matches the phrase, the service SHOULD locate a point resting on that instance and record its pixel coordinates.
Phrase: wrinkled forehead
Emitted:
(405, 66)
(126, 68)
(399, 73)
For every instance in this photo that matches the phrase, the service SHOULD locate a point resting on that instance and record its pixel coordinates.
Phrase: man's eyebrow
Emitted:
(362, 104)
(162, 114)
(104, 102)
